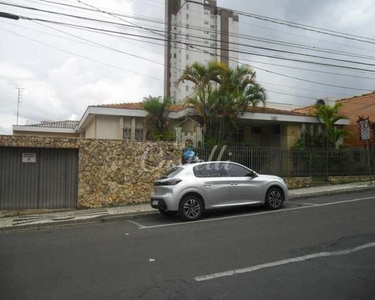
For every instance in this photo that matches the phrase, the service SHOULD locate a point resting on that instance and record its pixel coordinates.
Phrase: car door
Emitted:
(243, 187)
(213, 183)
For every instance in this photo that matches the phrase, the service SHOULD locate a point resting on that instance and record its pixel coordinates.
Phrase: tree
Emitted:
(328, 116)
(157, 123)
(221, 96)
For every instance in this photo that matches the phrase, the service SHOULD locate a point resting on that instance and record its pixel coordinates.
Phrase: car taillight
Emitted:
(167, 182)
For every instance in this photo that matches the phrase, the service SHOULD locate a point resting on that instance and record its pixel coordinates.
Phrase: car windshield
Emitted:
(172, 172)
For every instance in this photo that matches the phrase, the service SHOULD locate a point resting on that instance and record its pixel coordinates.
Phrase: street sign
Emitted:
(365, 130)
(29, 158)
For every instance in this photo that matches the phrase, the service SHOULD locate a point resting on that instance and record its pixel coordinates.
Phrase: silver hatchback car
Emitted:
(191, 189)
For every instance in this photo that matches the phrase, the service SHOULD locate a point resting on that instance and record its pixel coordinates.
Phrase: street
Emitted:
(321, 248)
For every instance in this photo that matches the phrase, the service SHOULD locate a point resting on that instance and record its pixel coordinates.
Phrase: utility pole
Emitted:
(20, 91)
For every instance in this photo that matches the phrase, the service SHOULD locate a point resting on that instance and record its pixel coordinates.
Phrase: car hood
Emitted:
(269, 177)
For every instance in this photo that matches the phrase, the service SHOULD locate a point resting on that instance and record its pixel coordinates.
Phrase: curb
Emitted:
(94, 220)
(357, 190)
(138, 215)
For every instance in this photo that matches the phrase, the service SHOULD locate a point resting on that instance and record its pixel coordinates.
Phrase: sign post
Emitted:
(365, 136)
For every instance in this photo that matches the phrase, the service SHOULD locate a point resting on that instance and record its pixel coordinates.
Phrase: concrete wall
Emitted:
(107, 127)
(111, 172)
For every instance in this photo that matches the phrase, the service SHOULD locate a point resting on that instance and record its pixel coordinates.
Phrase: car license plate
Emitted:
(155, 202)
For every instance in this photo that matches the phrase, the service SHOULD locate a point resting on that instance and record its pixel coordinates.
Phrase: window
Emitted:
(187, 56)
(236, 171)
(206, 22)
(174, 55)
(187, 26)
(139, 134)
(187, 88)
(206, 12)
(276, 129)
(187, 6)
(187, 16)
(209, 170)
(127, 132)
(255, 130)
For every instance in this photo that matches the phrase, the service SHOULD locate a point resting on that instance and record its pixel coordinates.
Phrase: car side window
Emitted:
(236, 171)
(209, 170)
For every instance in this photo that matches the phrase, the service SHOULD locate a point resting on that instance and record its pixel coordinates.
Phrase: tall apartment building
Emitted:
(198, 31)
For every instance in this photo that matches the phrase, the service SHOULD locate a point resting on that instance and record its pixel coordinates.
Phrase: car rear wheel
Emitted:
(274, 198)
(167, 213)
(191, 208)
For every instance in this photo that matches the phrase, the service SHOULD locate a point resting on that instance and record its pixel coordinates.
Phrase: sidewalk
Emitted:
(103, 214)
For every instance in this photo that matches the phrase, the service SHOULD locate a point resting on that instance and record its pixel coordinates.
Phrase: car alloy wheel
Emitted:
(191, 208)
(274, 198)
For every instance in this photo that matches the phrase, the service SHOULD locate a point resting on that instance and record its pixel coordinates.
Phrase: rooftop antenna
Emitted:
(20, 94)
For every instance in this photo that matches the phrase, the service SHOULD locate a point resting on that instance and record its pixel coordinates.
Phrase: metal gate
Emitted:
(38, 178)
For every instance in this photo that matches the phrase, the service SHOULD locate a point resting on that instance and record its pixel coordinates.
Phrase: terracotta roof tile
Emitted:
(179, 107)
(267, 110)
(355, 97)
(138, 106)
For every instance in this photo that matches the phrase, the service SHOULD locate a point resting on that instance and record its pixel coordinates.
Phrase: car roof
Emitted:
(191, 165)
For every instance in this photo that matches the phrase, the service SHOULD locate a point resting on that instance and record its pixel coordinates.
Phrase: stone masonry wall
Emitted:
(111, 172)
(298, 182)
(348, 179)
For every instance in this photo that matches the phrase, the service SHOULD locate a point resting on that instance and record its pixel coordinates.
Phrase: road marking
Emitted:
(282, 262)
(309, 204)
(141, 226)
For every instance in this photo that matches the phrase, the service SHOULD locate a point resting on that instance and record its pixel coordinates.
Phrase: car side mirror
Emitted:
(251, 174)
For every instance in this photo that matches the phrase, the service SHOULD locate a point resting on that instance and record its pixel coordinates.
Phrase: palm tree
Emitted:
(222, 95)
(328, 116)
(157, 122)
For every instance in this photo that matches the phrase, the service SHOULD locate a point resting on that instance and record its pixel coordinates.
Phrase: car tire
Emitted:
(274, 198)
(191, 208)
(167, 213)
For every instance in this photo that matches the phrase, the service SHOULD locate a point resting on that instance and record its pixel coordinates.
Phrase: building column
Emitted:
(133, 124)
(121, 128)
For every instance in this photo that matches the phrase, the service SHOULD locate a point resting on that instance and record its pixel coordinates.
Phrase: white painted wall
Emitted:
(107, 127)
(90, 130)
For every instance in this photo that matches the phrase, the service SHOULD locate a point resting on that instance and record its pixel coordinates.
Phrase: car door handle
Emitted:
(207, 184)
(233, 183)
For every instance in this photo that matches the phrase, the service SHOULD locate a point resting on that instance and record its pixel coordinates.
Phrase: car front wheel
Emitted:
(191, 208)
(274, 198)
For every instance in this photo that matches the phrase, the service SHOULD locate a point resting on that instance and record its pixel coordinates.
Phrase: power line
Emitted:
(192, 46)
(301, 26)
(207, 47)
(79, 55)
(259, 39)
(160, 21)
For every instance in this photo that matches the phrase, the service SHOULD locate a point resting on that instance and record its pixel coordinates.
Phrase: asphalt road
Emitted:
(321, 248)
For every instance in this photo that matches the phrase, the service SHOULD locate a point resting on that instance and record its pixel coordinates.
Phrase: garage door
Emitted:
(38, 178)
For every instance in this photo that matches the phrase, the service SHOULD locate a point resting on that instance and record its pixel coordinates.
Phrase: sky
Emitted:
(63, 70)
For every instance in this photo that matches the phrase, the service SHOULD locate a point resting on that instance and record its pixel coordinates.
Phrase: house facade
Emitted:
(352, 108)
(258, 127)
